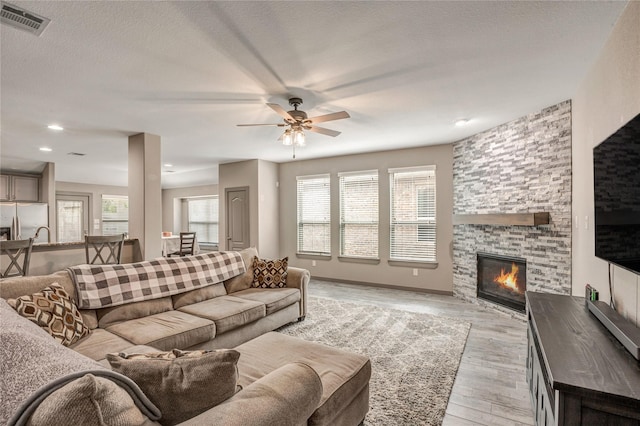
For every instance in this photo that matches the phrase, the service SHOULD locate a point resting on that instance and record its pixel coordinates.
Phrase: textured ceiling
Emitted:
(190, 71)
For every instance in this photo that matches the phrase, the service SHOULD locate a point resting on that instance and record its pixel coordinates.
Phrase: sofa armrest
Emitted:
(299, 278)
(285, 397)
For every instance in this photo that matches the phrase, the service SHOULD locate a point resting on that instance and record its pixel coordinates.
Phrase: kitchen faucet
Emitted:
(48, 232)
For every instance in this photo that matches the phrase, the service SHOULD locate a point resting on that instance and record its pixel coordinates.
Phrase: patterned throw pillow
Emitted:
(172, 354)
(54, 311)
(182, 384)
(270, 273)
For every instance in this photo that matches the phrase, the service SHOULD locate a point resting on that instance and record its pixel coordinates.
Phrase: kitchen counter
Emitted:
(47, 258)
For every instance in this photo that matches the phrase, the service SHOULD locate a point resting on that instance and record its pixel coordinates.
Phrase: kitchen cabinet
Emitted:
(19, 188)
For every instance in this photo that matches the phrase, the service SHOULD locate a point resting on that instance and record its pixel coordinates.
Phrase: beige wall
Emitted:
(607, 98)
(95, 192)
(439, 279)
(268, 209)
(236, 175)
(262, 179)
(172, 212)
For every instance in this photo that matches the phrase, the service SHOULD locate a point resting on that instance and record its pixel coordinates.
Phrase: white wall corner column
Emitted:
(145, 193)
(48, 195)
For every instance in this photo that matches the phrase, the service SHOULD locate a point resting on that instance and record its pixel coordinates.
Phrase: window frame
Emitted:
(423, 224)
(343, 223)
(102, 218)
(215, 224)
(302, 222)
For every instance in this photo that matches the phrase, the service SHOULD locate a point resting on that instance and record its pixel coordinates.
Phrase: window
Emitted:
(314, 215)
(413, 214)
(115, 214)
(203, 219)
(72, 216)
(359, 214)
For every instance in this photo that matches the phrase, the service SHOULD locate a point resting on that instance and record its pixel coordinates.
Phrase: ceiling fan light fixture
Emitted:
(287, 138)
(298, 137)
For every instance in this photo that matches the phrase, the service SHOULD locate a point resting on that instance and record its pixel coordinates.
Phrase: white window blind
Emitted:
(314, 214)
(413, 214)
(115, 214)
(359, 214)
(203, 219)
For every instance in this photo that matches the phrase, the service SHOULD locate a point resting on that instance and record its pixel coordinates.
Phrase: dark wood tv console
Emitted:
(578, 373)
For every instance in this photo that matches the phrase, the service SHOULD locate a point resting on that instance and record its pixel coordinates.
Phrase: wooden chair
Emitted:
(14, 249)
(187, 243)
(111, 244)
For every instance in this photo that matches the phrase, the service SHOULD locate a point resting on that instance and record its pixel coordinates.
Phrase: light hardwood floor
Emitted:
(490, 387)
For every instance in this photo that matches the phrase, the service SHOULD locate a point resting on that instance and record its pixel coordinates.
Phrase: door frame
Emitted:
(89, 213)
(246, 219)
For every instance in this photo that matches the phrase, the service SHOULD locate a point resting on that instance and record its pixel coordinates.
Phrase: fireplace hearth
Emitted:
(502, 280)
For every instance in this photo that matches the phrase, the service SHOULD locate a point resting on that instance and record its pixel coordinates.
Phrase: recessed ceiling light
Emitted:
(45, 149)
(55, 127)
(461, 122)
(168, 165)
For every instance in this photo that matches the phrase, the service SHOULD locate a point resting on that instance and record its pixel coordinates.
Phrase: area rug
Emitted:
(414, 356)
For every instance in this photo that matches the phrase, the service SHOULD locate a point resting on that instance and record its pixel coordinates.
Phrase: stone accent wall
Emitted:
(519, 167)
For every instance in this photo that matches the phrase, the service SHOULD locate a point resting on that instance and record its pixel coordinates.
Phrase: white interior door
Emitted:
(237, 206)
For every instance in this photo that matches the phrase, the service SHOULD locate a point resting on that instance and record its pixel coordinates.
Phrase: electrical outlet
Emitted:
(415, 272)
(313, 263)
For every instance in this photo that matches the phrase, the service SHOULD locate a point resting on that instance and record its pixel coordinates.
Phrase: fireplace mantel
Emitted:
(509, 219)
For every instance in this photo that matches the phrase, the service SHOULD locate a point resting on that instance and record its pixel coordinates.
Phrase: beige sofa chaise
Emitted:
(231, 314)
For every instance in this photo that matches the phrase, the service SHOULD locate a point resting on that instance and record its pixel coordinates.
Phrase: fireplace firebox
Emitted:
(502, 280)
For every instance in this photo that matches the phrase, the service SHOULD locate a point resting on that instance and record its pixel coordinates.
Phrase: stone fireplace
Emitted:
(502, 280)
(520, 167)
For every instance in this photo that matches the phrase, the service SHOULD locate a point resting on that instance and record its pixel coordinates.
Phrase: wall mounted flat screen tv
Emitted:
(616, 173)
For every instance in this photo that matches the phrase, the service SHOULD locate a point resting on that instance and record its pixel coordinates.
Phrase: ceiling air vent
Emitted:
(23, 19)
(77, 154)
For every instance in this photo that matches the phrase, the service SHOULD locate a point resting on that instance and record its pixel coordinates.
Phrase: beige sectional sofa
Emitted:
(226, 315)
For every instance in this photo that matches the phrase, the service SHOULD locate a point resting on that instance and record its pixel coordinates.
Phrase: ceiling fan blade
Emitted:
(329, 117)
(266, 124)
(323, 131)
(281, 112)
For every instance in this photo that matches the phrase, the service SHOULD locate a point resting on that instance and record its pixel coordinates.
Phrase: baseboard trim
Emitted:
(389, 286)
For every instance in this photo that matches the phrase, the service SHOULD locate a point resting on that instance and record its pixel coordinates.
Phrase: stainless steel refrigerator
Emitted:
(19, 221)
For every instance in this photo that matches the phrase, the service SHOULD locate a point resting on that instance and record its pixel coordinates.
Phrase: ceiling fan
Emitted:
(297, 122)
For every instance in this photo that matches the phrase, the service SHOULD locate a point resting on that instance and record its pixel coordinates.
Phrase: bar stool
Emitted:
(15, 249)
(111, 244)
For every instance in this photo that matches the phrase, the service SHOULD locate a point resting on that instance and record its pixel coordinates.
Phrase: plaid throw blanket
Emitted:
(101, 286)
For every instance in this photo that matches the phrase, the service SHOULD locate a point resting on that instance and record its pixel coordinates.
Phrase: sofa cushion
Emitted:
(199, 295)
(33, 365)
(181, 384)
(129, 311)
(286, 396)
(243, 281)
(54, 311)
(344, 374)
(99, 343)
(166, 330)
(89, 400)
(270, 273)
(14, 287)
(228, 312)
(273, 298)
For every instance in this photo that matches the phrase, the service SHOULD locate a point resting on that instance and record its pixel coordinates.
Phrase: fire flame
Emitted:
(509, 280)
